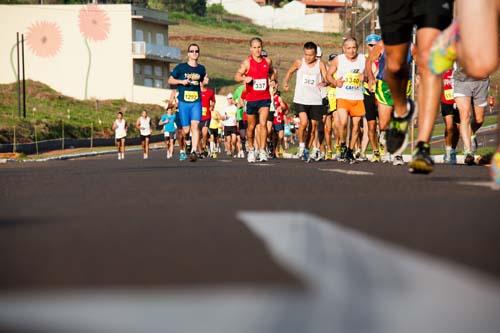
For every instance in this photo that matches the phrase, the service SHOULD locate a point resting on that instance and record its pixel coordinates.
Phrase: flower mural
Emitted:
(94, 25)
(44, 39)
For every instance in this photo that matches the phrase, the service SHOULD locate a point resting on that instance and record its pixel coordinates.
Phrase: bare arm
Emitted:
(331, 72)
(272, 71)
(173, 81)
(293, 68)
(324, 74)
(240, 75)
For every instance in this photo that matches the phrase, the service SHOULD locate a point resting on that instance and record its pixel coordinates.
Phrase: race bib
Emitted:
(448, 94)
(260, 84)
(352, 81)
(203, 111)
(190, 96)
(310, 81)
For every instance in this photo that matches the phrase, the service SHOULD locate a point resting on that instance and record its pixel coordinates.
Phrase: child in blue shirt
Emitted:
(169, 128)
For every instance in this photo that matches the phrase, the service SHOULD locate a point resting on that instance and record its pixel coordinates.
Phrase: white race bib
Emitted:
(309, 80)
(260, 84)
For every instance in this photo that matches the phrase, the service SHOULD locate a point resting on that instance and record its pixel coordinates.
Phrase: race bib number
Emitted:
(448, 94)
(352, 81)
(260, 84)
(190, 96)
(204, 111)
(310, 81)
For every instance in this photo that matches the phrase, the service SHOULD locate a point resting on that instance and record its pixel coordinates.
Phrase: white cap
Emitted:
(319, 53)
(229, 96)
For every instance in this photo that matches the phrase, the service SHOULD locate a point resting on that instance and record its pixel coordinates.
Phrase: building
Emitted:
(91, 51)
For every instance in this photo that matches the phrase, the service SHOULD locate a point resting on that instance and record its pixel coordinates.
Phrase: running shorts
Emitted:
(229, 130)
(203, 123)
(477, 90)
(242, 124)
(383, 93)
(270, 116)
(355, 108)
(397, 17)
(214, 132)
(254, 107)
(370, 106)
(450, 110)
(314, 112)
(278, 127)
(169, 135)
(144, 137)
(189, 112)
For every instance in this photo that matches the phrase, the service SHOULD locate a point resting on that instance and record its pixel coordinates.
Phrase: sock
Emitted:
(302, 144)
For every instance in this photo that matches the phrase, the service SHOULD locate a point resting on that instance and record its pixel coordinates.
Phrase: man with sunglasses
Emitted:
(187, 77)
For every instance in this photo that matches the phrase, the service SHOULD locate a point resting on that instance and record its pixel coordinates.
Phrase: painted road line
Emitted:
(352, 284)
(349, 172)
(491, 184)
(262, 164)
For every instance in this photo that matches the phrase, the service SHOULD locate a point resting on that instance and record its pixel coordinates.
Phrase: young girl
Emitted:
(143, 123)
(120, 128)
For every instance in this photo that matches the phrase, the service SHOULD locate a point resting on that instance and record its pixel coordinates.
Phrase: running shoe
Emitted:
(469, 159)
(444, 50)
(329, 155)
(182, 156)
(375, 157)
(193, 157)
(397, 134)
(300, 152)
(251, 156)
(398, 160)
(316, 155)
(337, 151)
(453, 157)
(361, 158)
(422, 161)
(145, 156)
(119, 156)
(205, 153)
(305, 155)
(262, 156)
(446, 158)
(349, 156)
(343, 153)
(495, 168)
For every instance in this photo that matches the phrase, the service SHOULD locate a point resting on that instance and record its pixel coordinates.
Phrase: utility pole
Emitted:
(354, 9)
(374, 17)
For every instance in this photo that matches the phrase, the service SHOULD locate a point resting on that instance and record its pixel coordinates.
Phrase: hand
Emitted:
(185, 82)
(339, 83)
(248, 79)
(285, 86)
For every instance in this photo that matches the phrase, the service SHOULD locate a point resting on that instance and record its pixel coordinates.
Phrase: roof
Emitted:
(324, 3)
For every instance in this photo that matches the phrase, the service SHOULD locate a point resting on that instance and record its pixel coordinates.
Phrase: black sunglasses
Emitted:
(371, 45)
(194, 51)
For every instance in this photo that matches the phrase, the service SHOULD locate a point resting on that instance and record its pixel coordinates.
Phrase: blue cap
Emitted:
(372, 38)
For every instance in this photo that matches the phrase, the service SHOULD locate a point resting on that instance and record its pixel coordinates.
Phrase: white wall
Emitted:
(111, 73)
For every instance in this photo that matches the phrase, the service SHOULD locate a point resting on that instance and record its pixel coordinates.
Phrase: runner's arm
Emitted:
(331, 72)
(293, 68)
(324, 74)
(272, 70)
(138, 123)
(174, 81)
(240, 75)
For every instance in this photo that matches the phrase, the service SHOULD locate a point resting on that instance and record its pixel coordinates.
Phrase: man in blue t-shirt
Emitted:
(187, 77)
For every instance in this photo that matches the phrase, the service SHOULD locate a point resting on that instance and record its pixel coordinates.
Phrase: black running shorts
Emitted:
(370, 107)
(314, 112)
(397, 17)
(450, 110)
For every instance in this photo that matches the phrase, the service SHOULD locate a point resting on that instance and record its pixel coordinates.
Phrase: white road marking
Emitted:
(349, 172)
(262, 164)
(491, 184)
(224, 161)
(353, 284)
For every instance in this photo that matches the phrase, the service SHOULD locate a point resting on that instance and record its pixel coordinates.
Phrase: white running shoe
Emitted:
(398, 160)
(251, 156)
(119, 156)
(262, 156)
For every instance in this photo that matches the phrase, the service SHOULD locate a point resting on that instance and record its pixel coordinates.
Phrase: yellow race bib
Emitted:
(190, 96)
(352, 80)
(448, 94)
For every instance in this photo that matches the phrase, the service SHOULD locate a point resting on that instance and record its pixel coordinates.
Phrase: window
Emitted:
(148, 82)
(139, 35)
(158, 83)
(160, 40)
(149, 37)
(148, 70)
(158, 71)
(137, 68)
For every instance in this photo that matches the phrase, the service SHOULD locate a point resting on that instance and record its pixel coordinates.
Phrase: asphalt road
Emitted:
(102, 223)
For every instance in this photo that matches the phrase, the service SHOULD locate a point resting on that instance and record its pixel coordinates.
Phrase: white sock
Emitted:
(302, 144)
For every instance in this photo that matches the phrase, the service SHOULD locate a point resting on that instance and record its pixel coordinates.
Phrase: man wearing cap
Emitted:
(375, 45)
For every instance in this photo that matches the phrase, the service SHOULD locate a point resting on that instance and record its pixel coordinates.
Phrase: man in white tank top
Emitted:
(143, 123)
(308, 100)
(349, 68)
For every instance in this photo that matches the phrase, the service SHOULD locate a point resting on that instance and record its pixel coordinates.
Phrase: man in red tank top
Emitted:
(451, 118)
(255, 72)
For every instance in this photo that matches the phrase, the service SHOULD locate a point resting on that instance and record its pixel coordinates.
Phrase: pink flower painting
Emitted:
(94, 23)
(44, 39)
(94, 26)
